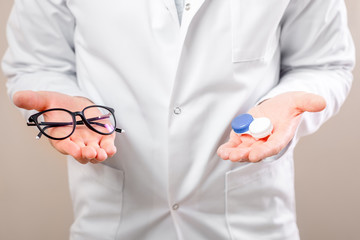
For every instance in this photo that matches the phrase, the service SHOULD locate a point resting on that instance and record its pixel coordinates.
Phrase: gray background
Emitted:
(35, 202)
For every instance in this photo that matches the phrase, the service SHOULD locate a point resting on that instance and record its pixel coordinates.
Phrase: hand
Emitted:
(284, 111)
(84, 145)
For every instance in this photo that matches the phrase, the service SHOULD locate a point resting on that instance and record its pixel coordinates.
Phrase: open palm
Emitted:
(284, 111)
(84, 145)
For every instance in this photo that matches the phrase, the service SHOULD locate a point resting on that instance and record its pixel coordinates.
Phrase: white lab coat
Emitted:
(166, 181)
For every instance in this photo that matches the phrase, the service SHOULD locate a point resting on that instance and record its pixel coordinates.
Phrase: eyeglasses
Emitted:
(59, 123)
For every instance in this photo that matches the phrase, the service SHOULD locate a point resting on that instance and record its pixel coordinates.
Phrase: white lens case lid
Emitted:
(260, 127)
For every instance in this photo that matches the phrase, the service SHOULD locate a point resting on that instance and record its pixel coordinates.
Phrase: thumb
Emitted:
(309, 102)
(30, 100)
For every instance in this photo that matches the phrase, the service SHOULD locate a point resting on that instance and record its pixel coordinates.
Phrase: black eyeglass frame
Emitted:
(33, 121)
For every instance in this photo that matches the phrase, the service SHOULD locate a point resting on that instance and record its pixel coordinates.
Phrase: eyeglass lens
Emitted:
(56, 123)
(101, 119)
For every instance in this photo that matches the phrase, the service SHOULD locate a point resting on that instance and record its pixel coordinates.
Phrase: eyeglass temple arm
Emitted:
(60, 124)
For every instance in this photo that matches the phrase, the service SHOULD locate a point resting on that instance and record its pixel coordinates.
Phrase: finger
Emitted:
(93, 161)
(67, 147)
(88, 153)
(71, 148)
(239, 154)
(225, 149)
(234, 141)
(247, 140)
(83, 161)
(229, 144)
(107, 143)
(308, 102)
(31, 100)
(101, 155)
(81, 144)
(235, 137)
(77, 140)
(275, 143)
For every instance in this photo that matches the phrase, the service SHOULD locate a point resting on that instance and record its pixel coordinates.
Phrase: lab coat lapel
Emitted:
(193, 8)
(187, 18)
(189, 13)
(170, 5)
(190, 10)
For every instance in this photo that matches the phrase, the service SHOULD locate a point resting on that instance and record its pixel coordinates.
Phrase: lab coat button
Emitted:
(177, 110)
(187, 6)
(175, 207)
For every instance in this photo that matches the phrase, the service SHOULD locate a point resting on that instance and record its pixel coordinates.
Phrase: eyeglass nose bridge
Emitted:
(81, 115)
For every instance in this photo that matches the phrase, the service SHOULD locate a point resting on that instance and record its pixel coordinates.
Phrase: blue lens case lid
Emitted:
(241, 123)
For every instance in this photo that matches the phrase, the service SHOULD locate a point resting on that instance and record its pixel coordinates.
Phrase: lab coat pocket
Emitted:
(96, 191)
(260, 200)
(255, 28)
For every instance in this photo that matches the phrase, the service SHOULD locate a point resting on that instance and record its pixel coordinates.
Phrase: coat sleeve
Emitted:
(41, 54)
(317, 56)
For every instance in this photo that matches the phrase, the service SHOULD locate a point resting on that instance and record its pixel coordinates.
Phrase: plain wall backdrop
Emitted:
(34, 197)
